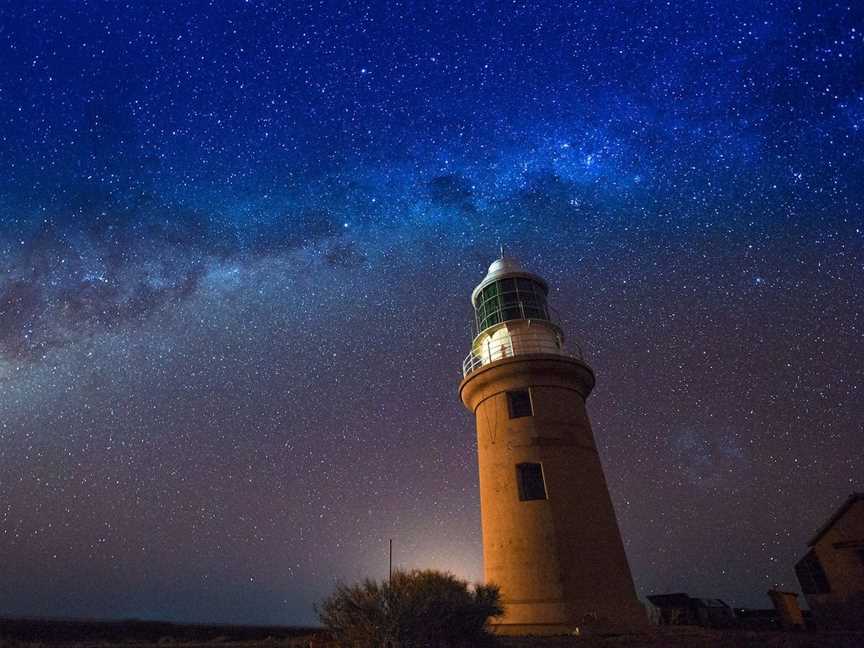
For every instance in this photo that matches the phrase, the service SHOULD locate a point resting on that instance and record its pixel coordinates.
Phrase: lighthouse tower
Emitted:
(550, 538)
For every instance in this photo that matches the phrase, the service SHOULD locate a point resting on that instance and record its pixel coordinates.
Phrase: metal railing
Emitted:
(515, 344)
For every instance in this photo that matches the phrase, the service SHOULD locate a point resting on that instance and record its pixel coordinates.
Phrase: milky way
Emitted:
(238, 242)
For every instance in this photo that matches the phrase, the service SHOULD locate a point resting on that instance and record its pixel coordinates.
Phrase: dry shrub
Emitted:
(419, 608)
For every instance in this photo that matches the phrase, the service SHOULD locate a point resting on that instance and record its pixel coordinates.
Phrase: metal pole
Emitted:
(390, 573)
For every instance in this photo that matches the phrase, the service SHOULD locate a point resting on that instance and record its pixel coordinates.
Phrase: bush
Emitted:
(419, 608)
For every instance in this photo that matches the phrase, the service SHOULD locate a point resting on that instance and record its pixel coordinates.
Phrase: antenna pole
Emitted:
(390, 573)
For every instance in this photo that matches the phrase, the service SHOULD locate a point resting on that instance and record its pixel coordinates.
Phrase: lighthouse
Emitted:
(550, 537)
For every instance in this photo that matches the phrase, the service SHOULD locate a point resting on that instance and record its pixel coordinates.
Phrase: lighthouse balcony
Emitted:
(514, 339)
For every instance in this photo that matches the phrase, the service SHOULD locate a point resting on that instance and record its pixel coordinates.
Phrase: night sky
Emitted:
(237, 245)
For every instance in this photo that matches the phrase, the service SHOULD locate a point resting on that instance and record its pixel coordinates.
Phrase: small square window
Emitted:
(519, 403)
(529, 477)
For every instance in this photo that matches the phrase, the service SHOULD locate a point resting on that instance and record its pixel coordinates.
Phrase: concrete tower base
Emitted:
(559, 559)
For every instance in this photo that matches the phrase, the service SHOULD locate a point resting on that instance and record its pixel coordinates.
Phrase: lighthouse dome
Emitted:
(504, 265)
(508, 268)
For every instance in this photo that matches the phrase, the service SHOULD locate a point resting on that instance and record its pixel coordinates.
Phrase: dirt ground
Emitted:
(654, 638)
(45, 634)
(695, 638)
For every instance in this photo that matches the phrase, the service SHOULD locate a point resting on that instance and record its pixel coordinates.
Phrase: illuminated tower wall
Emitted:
(550, 538)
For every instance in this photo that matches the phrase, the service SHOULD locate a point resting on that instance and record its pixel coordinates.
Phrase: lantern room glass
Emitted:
(510, 299)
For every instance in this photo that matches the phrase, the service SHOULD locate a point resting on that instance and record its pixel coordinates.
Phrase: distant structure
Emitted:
(550, 538)
(831, 574)
(789, 614)
(681, 609)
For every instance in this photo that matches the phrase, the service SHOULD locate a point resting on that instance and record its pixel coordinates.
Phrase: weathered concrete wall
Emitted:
(840, 553)
(559, 561)
(788, 610)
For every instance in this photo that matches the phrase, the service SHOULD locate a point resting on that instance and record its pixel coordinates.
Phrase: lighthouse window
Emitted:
(510, 299)
(507, 285)
(529, 477)
(519, 403)
(525, 285)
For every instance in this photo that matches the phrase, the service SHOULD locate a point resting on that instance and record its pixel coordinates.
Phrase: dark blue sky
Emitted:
(237, 244)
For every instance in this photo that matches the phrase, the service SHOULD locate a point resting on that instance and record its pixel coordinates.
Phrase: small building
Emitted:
(831, 574)
(682, 609)
(788, 611)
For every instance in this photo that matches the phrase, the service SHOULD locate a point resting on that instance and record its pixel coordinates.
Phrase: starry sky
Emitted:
(237, 245)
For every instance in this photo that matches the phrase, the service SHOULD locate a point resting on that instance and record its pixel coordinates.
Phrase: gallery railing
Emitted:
(514, 344)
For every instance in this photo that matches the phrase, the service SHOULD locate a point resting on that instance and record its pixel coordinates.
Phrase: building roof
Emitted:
(839, 513)
(678, 599)
(710, 603)
(682, 600)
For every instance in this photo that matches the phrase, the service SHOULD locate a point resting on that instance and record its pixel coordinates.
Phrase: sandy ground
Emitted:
(655, 638)
(695, 638)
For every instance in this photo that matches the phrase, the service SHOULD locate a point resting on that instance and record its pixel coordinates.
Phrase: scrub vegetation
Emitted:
(415, 608)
